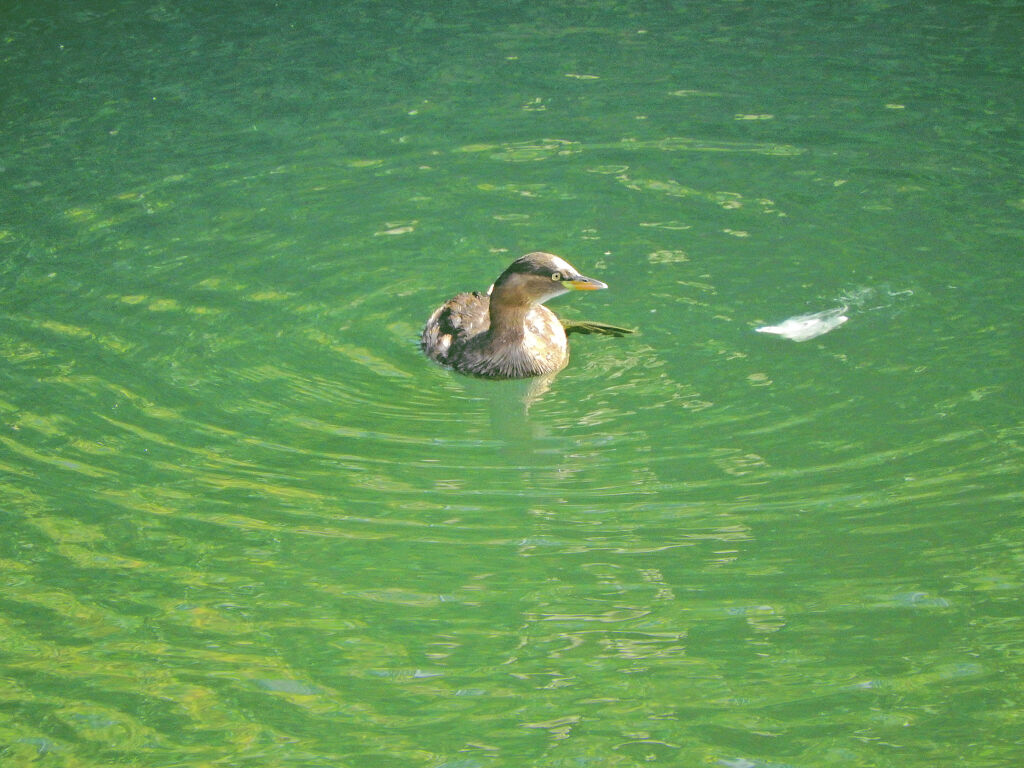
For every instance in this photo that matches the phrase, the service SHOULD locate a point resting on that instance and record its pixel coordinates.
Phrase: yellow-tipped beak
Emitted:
(581, 283)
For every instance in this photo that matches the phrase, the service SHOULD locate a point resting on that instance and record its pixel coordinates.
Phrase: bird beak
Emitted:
(581, 283)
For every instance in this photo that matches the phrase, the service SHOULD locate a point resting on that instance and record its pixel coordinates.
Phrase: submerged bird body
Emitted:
(507, 333)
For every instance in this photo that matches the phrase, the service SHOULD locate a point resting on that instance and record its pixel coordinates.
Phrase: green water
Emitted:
(244, 521)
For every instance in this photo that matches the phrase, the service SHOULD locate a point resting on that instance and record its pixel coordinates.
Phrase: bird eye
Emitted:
(556, 276)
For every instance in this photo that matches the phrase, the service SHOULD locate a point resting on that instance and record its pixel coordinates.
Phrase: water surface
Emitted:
(245, 521)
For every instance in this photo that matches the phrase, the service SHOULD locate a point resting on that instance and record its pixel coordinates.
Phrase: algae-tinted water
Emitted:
(246, 523)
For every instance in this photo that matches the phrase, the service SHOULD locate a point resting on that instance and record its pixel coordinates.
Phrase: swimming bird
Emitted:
(508, 333)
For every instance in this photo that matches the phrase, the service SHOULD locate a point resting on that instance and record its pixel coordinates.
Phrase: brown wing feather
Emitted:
(458, 319)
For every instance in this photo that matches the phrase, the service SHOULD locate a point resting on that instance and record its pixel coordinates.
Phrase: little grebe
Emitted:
(508, 333)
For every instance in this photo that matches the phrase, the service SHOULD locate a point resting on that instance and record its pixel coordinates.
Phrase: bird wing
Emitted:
(458, 319)
(465, 314)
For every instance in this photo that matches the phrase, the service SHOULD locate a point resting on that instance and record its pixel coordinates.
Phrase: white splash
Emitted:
(804, 327)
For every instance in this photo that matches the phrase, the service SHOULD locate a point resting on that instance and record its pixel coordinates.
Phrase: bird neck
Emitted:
(508, 319)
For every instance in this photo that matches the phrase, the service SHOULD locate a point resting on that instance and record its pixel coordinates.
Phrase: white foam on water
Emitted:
(805, 327)
(814, 324)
